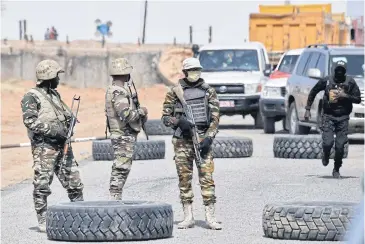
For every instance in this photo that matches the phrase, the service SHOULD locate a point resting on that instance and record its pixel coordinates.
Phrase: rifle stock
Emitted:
(189, 116)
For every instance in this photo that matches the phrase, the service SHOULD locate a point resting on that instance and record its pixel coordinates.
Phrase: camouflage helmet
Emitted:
(120, 66)
(47, 69)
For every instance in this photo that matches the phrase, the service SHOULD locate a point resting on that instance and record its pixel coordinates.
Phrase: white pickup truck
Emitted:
(237, 73)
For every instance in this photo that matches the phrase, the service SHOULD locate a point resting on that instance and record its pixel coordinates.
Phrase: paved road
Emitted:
(243, 187)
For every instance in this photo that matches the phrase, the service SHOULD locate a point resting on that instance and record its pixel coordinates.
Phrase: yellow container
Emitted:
(286, 9)
(280, 33)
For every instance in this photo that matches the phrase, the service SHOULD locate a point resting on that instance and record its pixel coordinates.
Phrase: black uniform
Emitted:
(336, 112)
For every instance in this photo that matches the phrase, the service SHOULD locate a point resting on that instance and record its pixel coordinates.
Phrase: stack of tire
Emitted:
(237, 147)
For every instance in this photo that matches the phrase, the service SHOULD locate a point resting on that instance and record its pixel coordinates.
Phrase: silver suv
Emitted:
(314, 63)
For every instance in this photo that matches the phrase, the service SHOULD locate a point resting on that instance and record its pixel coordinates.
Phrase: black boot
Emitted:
(336, 173)
(325, 158)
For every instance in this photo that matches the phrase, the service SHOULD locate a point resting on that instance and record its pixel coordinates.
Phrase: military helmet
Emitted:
(191, 63)
(120, 66)
(47, 70)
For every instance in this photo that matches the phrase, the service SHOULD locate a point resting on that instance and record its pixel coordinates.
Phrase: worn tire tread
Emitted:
(232, 147)
(301, 147)
(109, 223)
(156, 127)
(144, 150)
(308, 222)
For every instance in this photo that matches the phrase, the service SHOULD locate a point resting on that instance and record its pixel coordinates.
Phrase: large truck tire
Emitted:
(315, 221)
(144, 150)
(232, 147)
(301, 147)
(109, 221)
(156, 127)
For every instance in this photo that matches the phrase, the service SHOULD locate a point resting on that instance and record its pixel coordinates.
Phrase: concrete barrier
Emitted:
(81, 70)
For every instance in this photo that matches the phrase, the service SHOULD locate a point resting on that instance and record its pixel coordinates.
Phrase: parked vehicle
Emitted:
(273, 92)
(318, 59)
(237, 74)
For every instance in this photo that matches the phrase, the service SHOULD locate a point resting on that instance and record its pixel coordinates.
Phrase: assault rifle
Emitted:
(70, 130)
(135, 100)
(189, 117)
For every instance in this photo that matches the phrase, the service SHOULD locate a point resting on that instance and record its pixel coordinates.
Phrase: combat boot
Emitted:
(41, 223)
(325, 159)
(336, 173)
(116, 196)
(188, 221)
(210, 218)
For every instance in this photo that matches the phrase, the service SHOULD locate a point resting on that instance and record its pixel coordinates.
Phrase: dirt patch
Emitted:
(16, 163)
(171, 62)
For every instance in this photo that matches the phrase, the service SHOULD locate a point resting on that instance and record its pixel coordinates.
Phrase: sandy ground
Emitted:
(171, 62)
(16, 163)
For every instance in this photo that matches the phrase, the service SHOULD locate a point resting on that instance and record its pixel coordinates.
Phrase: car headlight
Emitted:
(271, 92)
(252, 88)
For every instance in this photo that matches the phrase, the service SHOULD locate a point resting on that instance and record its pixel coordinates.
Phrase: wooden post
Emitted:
(191, 34)
(144, 23)
(210, 34)
(20, 30)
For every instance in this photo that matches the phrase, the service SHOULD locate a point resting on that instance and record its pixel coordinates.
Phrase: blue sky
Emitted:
(166, 19)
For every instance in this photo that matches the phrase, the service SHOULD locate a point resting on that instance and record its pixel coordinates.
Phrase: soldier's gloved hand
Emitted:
(204, 146)
(185, 126)
(307, 114)
(144, 111)
(341, 94)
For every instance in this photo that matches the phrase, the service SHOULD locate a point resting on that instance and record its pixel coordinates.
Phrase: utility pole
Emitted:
(210, 34)
(144, 22)
(191, 34)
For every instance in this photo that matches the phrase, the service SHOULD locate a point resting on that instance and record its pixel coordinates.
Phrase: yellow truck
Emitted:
(284, 27)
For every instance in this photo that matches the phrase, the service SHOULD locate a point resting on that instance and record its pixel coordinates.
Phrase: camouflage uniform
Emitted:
(124, 123)
(184, 150)
(47, 118)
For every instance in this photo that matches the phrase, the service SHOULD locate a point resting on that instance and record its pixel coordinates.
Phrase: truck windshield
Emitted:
(355, 64)
(288, 63)
(229, 60)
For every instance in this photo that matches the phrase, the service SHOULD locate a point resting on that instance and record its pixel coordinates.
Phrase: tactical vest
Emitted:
(340, 108)
(116, 126)
(50, 113)
(197, 98)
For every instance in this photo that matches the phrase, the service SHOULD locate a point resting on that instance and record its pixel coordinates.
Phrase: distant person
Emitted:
(55, 34)
(340, 91)
(47, 119)
(47, 34)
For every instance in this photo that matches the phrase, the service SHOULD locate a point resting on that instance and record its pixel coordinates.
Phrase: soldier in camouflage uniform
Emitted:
(124, 122)
(206, 116)
(47, 119)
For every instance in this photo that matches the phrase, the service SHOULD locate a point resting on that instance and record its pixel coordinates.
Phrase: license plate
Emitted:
(226, 103)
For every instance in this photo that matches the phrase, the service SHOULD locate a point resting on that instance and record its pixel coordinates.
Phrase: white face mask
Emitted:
(193, 76)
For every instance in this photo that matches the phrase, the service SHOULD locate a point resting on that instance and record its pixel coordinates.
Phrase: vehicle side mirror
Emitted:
(267, 70)
(314, 73)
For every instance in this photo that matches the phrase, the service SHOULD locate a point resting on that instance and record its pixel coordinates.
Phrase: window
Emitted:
(302, 62)
(321, 64)
(229, 60)
(288, 63)
(312, 63)
(355, 64)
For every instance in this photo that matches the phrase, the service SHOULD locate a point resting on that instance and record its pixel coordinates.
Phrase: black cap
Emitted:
(341, 63)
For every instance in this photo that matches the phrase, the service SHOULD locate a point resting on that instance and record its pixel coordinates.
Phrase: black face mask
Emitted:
(340, 74)
(55, 82)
